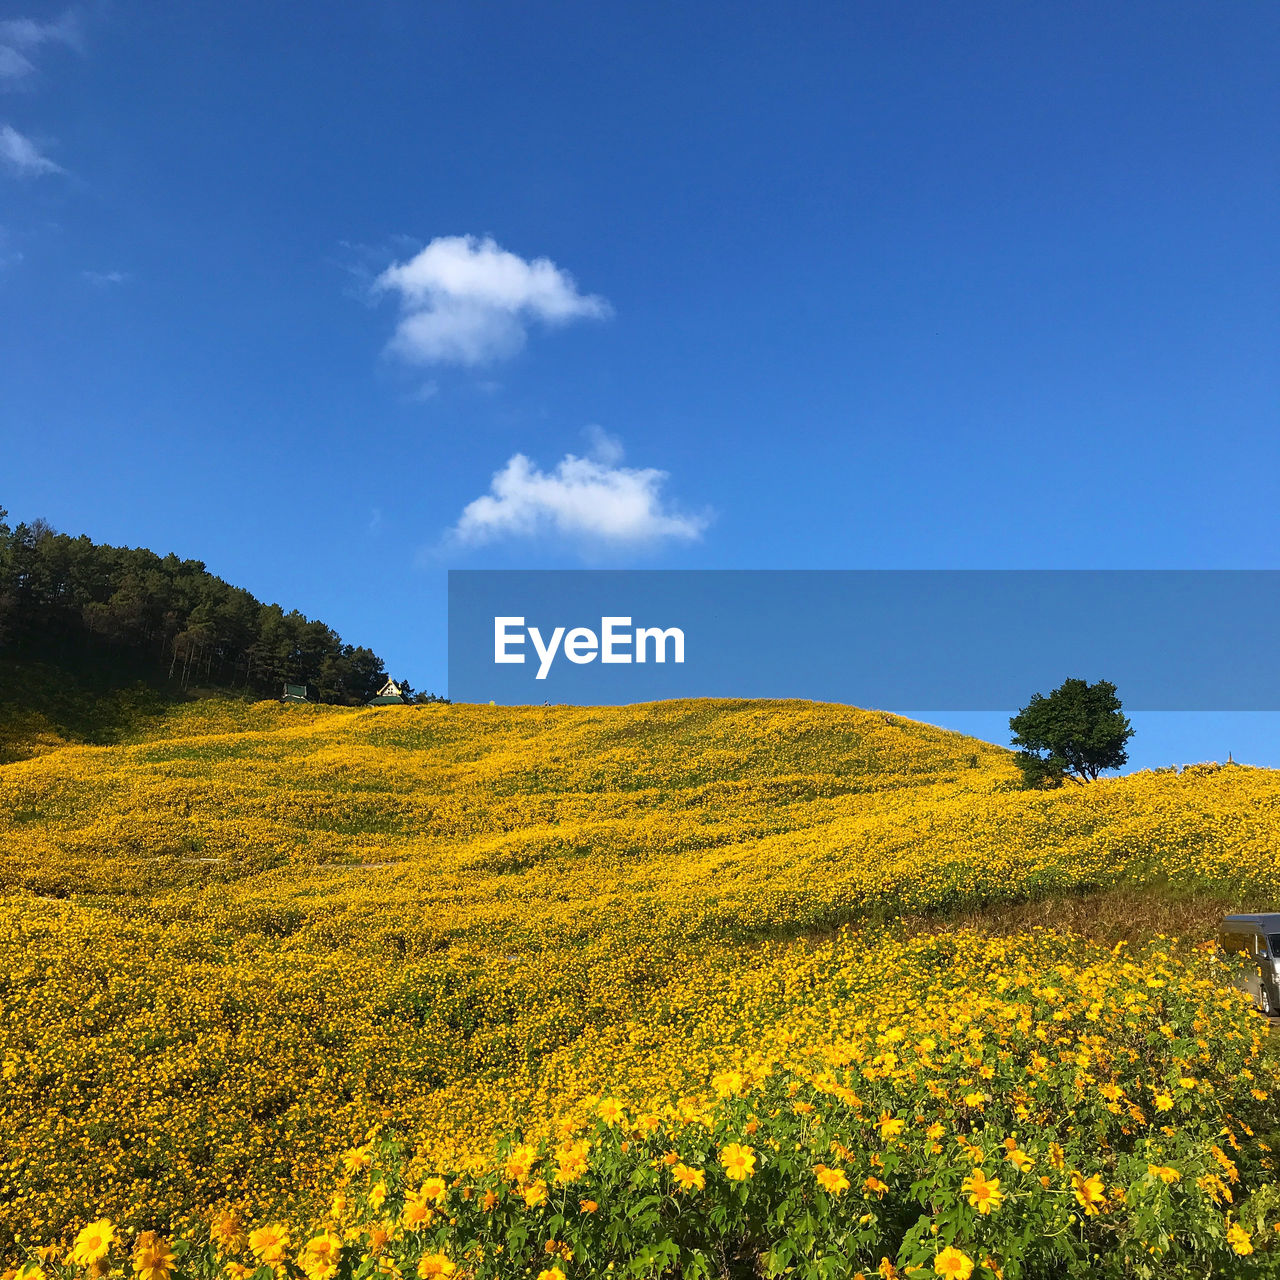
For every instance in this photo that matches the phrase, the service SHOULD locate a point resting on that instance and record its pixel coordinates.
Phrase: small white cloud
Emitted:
(468, 301)
(592, 498)
(22, 156)
(21, 36)
(601, 446)
(27, 33)
(14, 65)
(105, 278)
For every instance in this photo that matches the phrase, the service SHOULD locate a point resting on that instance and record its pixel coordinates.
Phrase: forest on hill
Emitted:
(165, 620)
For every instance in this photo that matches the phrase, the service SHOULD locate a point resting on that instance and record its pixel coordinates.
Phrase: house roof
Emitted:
(389, 693)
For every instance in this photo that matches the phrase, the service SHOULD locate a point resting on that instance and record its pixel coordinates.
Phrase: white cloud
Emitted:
(21, 36)
(14, 65)
(602, 446)
(468, 301)
(27, 33)
(22, 156)
(104, 278)
(591, 498)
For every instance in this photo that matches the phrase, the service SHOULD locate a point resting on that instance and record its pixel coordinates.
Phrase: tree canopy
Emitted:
(67, 597)
(1077, 732)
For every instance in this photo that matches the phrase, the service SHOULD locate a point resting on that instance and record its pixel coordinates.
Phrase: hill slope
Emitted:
(239, 939)
(116, 617)
(738, 819)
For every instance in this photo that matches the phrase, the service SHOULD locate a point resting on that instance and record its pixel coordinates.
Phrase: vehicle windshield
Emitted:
(1273, 941)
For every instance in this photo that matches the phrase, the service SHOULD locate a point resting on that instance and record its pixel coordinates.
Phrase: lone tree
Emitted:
(1076, 732)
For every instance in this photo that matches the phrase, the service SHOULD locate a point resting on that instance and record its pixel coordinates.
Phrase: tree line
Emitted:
(66, 598)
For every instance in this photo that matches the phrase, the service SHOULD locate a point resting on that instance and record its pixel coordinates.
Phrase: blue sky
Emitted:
(823, 285)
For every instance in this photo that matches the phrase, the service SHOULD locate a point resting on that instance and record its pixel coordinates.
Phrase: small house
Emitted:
(390, 694)
(295, 693)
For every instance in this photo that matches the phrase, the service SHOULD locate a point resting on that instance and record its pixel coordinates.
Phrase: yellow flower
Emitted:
(519, 1162)
(1089, 1192)
(984, 1193)
(435, 1264)
(490, 1199)
(357, 1158)
(835, 1182)
(873, 1186)
(1164, 1173)
(535, 1194)
(739, 1161)
(728, 1083)
(1228, 1165)
(1163, 1102)
(435, 1189)
(417, 1212)
(610, 1111)
(890, 1126)
(269, 1244)
(1020, 1160)
(1214, 1188)
(571, 1162)
(227, 1230)
(377, 1195)
(953, 1264)
(93, 1242)
(321, 1256)
(153, 1259)
(551, 1273)
(588, 1206)
(1238, 1239)
(689, 1178)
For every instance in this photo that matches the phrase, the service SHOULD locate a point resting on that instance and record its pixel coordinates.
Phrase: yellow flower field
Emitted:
(234, 948)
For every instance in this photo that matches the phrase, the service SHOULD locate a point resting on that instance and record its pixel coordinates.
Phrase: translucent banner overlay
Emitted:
(946, 640)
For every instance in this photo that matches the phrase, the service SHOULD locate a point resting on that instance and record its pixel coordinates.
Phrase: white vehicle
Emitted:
(1258, 937)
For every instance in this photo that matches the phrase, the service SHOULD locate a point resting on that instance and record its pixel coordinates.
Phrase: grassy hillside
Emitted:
(245, 935)
(44, 706)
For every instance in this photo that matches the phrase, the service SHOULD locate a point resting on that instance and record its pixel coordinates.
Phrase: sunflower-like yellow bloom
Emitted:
(94, 1242)
(739, 1161)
